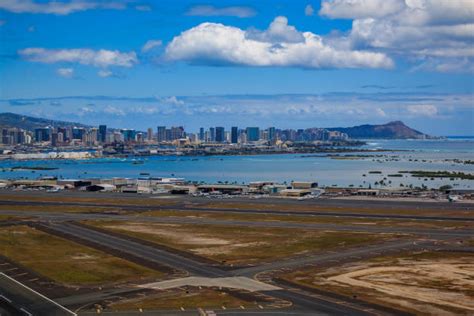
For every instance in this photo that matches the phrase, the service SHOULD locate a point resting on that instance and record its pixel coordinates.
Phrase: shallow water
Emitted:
(280, 168)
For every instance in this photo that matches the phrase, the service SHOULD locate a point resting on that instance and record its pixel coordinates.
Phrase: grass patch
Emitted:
(67, 262)
(307, 219)
(57, 208)
(239, 245)
(191, 299)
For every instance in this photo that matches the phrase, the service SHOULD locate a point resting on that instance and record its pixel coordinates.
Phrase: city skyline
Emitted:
(320, 63)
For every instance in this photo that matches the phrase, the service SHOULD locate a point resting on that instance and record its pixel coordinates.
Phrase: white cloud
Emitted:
(173, 100)
(57, 7)
(104, 73)
(149, 45)
(209, 10)
(359, 9)
(110, 109)
(380, 112)
(422, 110)
(415, 29)
(278, 31)
(308, 10)
(446, 65)
(97, 58)
(65, 72)
(213, 43)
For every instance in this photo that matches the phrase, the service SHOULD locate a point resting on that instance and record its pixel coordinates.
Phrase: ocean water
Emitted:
(409, 155)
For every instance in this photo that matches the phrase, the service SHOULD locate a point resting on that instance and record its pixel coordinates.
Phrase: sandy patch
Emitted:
(438, 283)
(226, 249)
(83, 256)
(186, 238)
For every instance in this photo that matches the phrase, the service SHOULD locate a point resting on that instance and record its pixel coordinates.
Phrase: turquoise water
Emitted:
(280, 168)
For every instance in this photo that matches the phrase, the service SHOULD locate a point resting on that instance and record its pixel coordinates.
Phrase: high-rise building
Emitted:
(149, 134)
(129, 135)
(54, 139)
(161, 134)
(234, 135)
(177, 132)
(43, 134)
(272, 134)
(212, 132)
(78, 132)
(253, 134)
(220, 134)
(102, 133)
(201, 134)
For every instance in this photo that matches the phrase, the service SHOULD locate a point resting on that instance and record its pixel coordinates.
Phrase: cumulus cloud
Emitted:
(65, 72)
(278, 32)
(422, 110)
(279, 45)
(151, 44)
(209, 10)
(97, 58)
(57, 7)
(308, 10)
(416, 29)
(359, 9)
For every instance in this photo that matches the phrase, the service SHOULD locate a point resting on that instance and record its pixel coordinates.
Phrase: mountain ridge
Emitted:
(390, 130)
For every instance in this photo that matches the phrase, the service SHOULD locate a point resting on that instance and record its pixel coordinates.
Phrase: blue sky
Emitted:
(284, 63)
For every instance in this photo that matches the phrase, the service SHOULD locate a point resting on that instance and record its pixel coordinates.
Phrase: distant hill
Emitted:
(391, 130)
(29, 123)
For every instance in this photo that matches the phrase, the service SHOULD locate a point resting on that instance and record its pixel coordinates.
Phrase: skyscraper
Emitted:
(42, 134)
(177, 132)
(272, 134)
(201, 134)
(234, 135)
(161, 134)
(149, 134)
(102, 133)
(212, 132)
(220, 135)
(253, 134)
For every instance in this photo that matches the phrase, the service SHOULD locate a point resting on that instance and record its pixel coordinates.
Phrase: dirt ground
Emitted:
(430, 283)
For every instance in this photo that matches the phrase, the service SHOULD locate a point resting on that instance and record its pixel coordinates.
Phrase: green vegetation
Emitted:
(440, 174)
(193, 298)
(238, 245)
(32, 168)
(67, 262)
(375, 172)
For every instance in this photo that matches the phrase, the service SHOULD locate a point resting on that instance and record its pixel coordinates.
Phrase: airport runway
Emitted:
(300, 300)
(146, 252)
(336, 258)
(322, 213)
(58, 217)
(22, 300)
